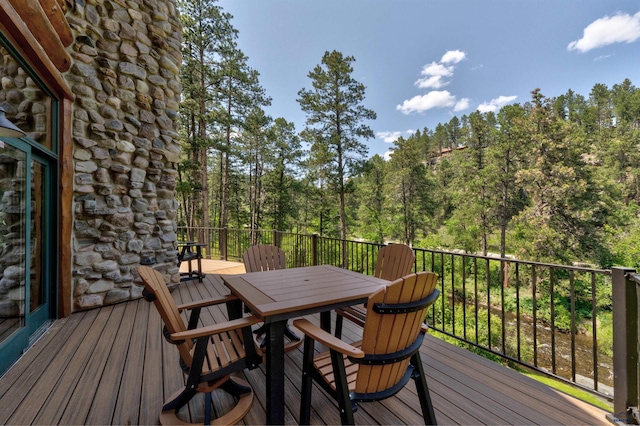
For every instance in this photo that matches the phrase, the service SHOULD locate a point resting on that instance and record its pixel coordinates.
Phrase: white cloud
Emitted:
(620, 28)
(433, 82)
(495, 104)
(436, 75)
(387, 155)
(453, 56)
(421, 103)
(601, 58)
(461, 105)
(390, 137)
(437, 69)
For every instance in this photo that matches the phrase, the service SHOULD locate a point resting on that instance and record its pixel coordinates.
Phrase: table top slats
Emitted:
(290, 292)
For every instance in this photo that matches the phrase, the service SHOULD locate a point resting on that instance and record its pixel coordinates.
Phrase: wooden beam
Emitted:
(19, 34)
(56, 16)
(65, 218)
(32, 13)
(63, 5)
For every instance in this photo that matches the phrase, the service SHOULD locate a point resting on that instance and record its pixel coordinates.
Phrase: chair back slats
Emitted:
(389, 333)
(264, 257)
(155, 285)
(394, 261)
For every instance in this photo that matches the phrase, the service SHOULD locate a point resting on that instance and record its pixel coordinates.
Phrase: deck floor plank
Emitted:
(58, 401)
(101, 411)
(28, 388)
(511, 386)
(84, 394)
(54, 338)
(152, 374)
(135, 369)
(127, 408)
(36, 391)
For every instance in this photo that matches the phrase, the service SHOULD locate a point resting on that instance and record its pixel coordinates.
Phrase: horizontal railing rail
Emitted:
(555, 319)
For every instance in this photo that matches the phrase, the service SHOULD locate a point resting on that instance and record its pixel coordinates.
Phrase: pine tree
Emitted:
(335, 124)
(206, 32)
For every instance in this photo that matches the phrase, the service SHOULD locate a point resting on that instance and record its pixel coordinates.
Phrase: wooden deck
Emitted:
(111, 366)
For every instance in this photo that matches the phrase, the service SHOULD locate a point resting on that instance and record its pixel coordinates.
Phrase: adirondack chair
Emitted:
(208, 355)
(383, 362)
(394, 261)
(264, 257)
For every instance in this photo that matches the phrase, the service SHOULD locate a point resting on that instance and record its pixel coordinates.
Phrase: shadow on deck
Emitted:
(112, 366)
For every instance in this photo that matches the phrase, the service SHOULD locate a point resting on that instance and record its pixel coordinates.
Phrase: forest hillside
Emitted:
(554, 179)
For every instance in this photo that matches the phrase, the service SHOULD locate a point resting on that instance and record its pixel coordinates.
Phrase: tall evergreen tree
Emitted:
(285, 158)
(564, 215)
(409, 188)
(255, 150)
(473, 220)
(238, 94)
(372, 200)
(505, 158)
(336, 124)
(207, 31)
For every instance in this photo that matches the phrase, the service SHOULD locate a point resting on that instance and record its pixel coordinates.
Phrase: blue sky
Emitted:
(423, 62)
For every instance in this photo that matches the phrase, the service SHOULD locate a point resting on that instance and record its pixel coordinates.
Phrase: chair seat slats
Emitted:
(226, 348)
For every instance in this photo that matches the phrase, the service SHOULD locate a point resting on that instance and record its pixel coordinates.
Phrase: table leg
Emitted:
(325, 321)
(275, 373)
(234, 309)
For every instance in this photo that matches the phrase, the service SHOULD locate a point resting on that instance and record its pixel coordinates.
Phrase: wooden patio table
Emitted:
(279, 295)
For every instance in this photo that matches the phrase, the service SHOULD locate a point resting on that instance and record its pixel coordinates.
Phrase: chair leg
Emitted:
(307, 382)
(233, 387)
(339, 320)
(290, 334)
(345, 405)
(207, 408)
(179, 399)
(423, 390)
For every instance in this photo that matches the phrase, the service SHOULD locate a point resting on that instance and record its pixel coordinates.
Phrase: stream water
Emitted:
(584, 359)
(583, 349)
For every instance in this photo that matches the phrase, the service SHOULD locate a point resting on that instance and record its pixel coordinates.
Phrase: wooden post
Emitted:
(625, 343)
(314, 249)
(223, 243)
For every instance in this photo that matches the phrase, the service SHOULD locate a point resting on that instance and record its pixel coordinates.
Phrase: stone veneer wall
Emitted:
(125, 76)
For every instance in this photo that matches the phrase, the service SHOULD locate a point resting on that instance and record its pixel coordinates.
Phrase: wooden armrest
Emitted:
(319, 335)
(210, 330)
(207, 302)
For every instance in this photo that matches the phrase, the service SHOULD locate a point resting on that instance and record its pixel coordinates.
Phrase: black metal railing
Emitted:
(552, 318)
(555, 319)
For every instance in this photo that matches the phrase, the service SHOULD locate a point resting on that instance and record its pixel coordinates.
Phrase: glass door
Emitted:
(25, 235)
(39, 275)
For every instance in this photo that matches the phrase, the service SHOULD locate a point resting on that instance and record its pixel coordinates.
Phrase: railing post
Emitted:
(314, 249)
(223, 243)
(625, 343)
